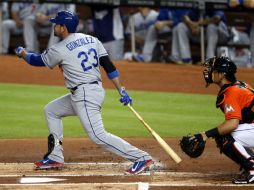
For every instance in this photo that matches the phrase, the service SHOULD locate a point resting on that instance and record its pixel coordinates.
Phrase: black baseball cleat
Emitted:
(243, 178)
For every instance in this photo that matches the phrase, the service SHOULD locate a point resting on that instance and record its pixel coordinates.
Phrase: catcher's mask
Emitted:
(220, 64)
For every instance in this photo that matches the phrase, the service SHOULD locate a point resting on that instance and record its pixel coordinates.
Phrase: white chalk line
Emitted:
(133, 183)
(87, 163)
(141, 184)
(78, 163)
(69, 175)
(154, 173)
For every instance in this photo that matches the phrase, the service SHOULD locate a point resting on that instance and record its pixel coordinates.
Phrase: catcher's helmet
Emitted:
(220, 64)
(67, 18)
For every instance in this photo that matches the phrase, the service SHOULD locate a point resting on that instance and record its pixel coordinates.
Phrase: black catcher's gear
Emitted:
(219, 64)
(193, 146)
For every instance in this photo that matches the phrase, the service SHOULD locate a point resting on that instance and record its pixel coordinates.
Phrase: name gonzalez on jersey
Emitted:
(80, 42)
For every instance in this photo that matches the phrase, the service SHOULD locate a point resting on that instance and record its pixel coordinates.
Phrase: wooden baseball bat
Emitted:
(163, 144)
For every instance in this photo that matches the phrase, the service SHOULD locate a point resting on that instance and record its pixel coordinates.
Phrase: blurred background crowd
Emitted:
(143, 34)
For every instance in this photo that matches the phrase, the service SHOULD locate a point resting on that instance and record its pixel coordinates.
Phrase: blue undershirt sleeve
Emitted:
(35, 60)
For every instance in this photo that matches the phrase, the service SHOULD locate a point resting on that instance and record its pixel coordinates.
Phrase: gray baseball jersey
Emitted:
(83, 67)
(78, 55)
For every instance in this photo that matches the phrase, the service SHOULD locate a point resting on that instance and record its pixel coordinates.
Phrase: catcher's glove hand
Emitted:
(193, 146)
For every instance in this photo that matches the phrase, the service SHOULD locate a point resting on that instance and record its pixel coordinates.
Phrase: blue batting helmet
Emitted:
(67, 18)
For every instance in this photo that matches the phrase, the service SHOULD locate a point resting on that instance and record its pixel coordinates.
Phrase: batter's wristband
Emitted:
(212, 132)
(113, 74)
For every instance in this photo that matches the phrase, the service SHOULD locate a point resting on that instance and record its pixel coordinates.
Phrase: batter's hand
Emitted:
(125, 99)
(19, 50)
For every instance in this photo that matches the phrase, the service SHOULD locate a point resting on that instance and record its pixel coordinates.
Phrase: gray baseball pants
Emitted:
(115, 49)
(9, 27)
(86, 103)
(31, 31)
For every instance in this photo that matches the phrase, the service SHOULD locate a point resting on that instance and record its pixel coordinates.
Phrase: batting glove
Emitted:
(19, 50)
(125, 99)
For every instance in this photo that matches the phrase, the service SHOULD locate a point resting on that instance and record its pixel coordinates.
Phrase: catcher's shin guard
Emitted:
(226, 145)
(52, 142)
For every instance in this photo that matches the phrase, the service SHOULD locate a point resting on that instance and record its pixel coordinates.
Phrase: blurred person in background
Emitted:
(40, 25)
(216, 31)
(249, 4)
(4, 11)
(143, 20)
(169, 19)
(19, 13)
(165, 24)
(108, 28)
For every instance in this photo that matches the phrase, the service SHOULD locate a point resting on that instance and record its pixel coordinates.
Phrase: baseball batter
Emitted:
(80, 57)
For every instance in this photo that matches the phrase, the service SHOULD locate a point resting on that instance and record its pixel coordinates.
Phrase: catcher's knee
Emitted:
(226, 145)
(52, 143)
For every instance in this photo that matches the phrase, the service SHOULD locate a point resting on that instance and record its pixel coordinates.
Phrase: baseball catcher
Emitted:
(234, 136)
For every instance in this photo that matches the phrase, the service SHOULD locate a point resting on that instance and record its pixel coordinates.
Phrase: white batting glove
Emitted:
(19, 50)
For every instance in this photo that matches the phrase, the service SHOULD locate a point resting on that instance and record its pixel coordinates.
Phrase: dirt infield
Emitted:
(90, 167)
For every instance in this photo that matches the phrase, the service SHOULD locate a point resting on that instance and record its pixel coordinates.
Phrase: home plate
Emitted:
(39, 179)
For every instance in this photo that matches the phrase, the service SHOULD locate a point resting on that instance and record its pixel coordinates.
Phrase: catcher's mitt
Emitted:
(193, 146)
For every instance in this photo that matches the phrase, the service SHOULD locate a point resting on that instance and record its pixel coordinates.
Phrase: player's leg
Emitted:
(212, 37)
(30, 34)
(243, 137)
(150, 43)
(215, 34)
(115, 49)
(8, 27)
(252, 43)
(89, 112)
(175, 47)
(54, 111)
(52, 39)
(183, 35)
